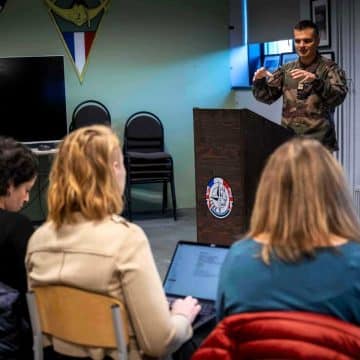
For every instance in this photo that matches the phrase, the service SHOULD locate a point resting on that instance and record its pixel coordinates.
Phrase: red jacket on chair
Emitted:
(281, 335)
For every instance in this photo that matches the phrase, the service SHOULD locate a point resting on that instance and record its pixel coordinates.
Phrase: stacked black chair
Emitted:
(89, 112)
(145, 159)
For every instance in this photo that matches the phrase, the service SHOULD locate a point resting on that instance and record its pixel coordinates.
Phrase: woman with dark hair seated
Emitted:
(18, 171)
(302, 251)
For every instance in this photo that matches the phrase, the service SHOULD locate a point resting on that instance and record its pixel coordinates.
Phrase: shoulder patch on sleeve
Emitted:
(119, 220)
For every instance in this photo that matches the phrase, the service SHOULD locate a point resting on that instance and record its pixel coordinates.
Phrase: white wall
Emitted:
(245, 99)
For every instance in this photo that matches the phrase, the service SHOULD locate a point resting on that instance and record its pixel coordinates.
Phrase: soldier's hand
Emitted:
(261, 73)
(305, 76)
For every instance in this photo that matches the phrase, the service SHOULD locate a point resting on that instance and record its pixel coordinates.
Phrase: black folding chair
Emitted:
(89, 112)
(145, 159)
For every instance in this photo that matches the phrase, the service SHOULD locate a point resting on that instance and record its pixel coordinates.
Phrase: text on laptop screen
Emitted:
(195, 271)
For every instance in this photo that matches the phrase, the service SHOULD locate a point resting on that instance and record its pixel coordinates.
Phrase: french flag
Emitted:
(79, 45)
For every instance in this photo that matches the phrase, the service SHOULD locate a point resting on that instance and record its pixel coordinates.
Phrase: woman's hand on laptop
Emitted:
(188, 307)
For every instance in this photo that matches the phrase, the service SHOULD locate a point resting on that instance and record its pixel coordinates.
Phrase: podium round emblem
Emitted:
(219, 199)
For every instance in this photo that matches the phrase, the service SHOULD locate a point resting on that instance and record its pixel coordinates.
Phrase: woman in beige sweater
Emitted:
(85, 244)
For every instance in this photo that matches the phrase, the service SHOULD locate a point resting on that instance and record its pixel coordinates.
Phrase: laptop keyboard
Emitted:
(206, 308)
(206, 314)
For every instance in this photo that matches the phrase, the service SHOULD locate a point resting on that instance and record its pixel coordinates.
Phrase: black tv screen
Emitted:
(32, 98)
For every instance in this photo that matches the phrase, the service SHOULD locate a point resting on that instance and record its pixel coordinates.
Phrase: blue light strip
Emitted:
(245, 21)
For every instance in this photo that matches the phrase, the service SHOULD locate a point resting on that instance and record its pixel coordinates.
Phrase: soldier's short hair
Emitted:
(307, 24)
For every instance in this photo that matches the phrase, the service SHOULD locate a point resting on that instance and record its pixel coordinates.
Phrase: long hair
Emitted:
(17, 164)
(302, 199)
(82, 179)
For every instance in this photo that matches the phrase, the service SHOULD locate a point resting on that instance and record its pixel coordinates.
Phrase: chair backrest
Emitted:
(89, 112)
(281, 335)
(79, 317)
(144, 132)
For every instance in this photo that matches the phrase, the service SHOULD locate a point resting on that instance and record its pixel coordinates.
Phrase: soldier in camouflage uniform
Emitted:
(312, 87)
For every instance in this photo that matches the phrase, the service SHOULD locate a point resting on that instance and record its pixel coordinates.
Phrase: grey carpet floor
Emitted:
(164, 233)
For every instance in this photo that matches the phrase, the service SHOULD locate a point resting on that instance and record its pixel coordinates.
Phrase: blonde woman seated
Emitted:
(302, 251)
(85, 244)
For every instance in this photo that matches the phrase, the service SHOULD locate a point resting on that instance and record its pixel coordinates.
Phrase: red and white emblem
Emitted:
(219, 198)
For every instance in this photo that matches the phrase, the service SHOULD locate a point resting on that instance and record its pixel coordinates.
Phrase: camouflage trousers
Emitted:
(321, 134)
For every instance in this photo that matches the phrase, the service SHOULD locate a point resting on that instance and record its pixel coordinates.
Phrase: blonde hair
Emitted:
(302, 199)
(82, 178)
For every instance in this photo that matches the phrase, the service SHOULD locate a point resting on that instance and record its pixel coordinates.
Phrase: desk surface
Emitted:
(44, 152)
(43, 148)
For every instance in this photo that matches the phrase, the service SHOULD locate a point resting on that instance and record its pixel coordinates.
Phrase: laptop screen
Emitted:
(194, 270)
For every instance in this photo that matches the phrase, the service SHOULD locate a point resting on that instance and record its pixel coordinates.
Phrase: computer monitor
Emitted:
(32, 98)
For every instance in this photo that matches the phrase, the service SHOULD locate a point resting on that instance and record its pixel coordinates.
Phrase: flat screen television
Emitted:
(32, 98)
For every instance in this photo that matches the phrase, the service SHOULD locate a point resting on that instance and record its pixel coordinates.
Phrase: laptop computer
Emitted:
(194, 270)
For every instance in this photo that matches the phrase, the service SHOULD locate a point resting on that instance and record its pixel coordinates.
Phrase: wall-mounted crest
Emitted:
(77, 22)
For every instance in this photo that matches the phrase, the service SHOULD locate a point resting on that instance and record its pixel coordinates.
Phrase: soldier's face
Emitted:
(306, 44)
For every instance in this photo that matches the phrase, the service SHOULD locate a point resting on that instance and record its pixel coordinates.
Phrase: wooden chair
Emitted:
(79, 317)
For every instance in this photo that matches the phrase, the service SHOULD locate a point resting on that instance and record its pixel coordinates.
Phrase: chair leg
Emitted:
(165, 197)
(38, 348)
(173, 196)
(128, 200)
(35, 325)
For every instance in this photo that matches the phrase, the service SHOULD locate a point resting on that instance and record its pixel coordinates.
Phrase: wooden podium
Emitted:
(231, 146)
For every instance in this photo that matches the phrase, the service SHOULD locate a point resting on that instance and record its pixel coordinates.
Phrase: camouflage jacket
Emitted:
(308, 108)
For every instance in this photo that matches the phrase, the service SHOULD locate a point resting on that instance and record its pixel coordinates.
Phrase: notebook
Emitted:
(194, 270)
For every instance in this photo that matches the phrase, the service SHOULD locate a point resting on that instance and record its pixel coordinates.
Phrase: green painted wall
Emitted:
(164, 56)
